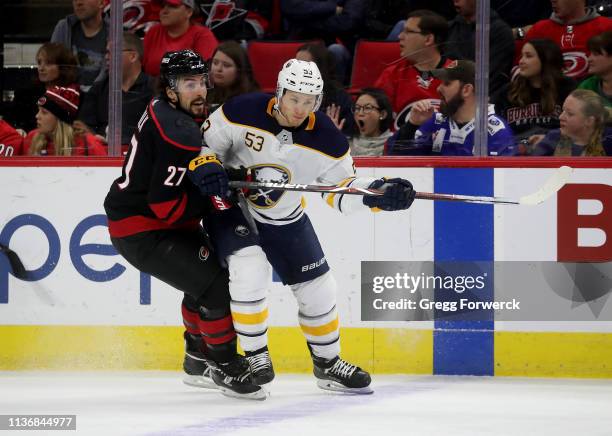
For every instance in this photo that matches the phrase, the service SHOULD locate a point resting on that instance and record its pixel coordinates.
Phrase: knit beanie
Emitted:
(62, 102)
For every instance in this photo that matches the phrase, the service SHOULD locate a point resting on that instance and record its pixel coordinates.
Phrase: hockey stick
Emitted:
(549, 188)
(19, 270)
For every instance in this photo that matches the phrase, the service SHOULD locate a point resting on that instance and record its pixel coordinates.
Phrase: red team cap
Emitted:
(61, 102)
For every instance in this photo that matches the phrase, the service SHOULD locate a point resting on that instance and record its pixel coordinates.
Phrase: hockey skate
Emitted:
(197, 370)
(261, 366)
(340, 376)
(234, 379)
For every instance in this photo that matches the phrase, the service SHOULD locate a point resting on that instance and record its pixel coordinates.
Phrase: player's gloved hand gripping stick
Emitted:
(207, 173)
(548, 189)
(398, 194)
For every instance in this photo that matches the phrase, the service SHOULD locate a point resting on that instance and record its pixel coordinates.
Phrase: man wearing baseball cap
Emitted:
(450, 132)
(176, 31)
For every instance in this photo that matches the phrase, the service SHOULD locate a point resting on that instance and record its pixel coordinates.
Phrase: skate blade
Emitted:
(199, 382)
(329, 385)
(259, 395)
(263, 381)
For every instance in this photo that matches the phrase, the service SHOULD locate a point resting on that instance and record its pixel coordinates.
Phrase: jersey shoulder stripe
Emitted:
(249, 110)
(318, 133)
(324, 137)
(175, 127)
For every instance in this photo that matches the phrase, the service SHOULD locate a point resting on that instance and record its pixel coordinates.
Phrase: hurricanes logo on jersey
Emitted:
(267, 198)
(203, 254)
(241, 230)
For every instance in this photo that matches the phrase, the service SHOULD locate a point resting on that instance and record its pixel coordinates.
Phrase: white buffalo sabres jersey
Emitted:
(244, 132)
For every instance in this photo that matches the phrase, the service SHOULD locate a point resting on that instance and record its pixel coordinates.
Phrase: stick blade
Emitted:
(19, 270)
(550, 187)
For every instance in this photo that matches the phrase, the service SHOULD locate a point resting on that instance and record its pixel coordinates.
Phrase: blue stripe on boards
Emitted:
(464, 232)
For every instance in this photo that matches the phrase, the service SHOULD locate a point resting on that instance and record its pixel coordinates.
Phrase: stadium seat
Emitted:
(371, 58)
(267, 59)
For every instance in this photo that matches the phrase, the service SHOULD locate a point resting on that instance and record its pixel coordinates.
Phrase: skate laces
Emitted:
(342, 368)
(207, 371)
(260, 361)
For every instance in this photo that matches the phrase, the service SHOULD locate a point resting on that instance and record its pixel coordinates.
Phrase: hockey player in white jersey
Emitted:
(286, 139)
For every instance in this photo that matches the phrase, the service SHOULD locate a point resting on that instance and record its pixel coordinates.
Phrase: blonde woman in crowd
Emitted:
(584, 128)
(54, 135)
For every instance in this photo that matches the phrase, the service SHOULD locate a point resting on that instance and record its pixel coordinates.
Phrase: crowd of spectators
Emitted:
(550, 72)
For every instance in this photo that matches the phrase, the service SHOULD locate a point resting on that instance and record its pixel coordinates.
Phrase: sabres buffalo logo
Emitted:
(266, 198)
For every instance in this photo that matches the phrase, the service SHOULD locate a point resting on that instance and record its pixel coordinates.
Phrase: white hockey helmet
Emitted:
(300, 76)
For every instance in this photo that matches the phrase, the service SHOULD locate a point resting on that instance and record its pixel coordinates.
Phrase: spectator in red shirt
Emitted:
(176, 32)
(571, 26)
(11, 142)
(409, 79)
(54, 135)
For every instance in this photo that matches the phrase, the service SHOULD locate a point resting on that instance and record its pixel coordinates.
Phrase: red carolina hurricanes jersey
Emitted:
(572, 39)
(404, 85)
(11, 142)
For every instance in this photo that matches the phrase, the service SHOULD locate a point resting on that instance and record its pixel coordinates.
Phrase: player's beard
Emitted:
(450, 107)
(197, 111)
(190, 109)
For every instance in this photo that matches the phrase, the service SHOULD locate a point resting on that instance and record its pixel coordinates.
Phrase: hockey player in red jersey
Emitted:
(153, 218)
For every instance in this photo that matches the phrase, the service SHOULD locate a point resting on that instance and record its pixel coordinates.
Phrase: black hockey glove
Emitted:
(240, 174)
(207, 173)
(398, 194)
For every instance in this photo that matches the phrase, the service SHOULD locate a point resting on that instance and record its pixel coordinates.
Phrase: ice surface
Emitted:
(157, 403)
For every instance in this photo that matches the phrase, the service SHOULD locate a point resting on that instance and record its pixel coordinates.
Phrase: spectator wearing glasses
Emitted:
(600, 66)
(136, 89)
(176, 31)
(450, 132)
(409, 79)
(401, 8)
(583, 130)
(373, 117)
